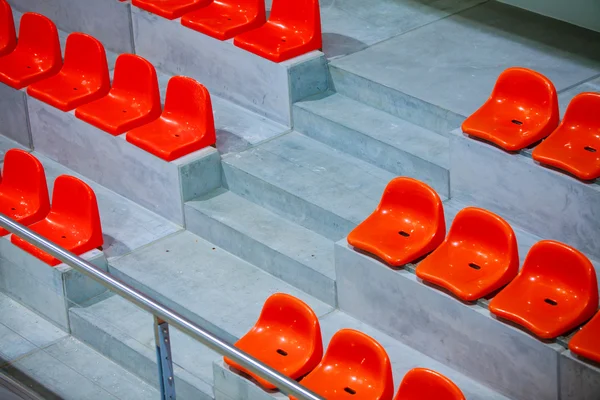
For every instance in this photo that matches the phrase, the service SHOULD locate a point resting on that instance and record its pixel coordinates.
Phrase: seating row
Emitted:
(293, 27)
(73, 219)
(555, 292)
(82, 83)
(523, 110)
(287, 337)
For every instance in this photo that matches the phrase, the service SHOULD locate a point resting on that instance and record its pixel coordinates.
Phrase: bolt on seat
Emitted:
(23, 190)
(82, 79)
(286, 337)
(355, 366)
(73, 222)
(133, 100)
(36, 56)
(555, 291)
(8, 36)
(186, 124)
(575, 145)
(478, 256)
(586, 342)
(293, 29)
(407, 224)
(522, 110)
(170, 9)
(224, 19)
(426, 384)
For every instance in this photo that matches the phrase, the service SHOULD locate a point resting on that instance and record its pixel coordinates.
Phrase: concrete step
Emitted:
(308, 182)
(376, 137)
(282, 248)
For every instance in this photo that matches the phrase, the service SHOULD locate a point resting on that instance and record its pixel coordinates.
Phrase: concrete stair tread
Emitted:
(295, 241)
(381, 126)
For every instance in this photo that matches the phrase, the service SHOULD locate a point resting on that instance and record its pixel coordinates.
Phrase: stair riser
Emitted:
(14, 115)
(262, 256)
(377, 153)
(394, 102)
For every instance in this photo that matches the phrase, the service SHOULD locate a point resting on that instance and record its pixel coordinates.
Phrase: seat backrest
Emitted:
(84, 54)
(583, 110)
(38, 35)
(136, 76)
(23, 173)
(8, 36)
(74, 201)
(188, 99)
(527, 87)
(301, 15)
(425, 384)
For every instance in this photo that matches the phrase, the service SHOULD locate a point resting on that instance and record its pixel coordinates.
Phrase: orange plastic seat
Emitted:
(186, 124)
(575, 145)
(522, 110)
(82, 79)
(37, 55)
(170, 9)
(287, 337)
(224, 19)
(133, 100)
(293, 29)
(407, 224)
(555, 291)
(426, 384)
(478, 257)
(586, 342)
(73, 222)
(355, 366)
(23, 189)
(8, 36)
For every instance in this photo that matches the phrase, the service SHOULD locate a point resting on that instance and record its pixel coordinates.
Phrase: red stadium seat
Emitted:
(170, 9)
(586, 342)
(293, 29)
(186, 124)
(73, 222)
(555, 291)
(287, 337)
(575, 145)
(23, 189)
(82, 79)
(426, 384)
(133, 100)
(407, 224)
(224, 19)
(355, 366)
(8, 37)
(37, 55)
(478, 257)
(522, 110)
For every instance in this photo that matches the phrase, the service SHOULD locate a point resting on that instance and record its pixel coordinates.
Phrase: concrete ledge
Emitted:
(50, 291)
(234, 74)
(579, 379)
(543, 201)
(160, 186)
(459, 335)
(229, 384)
(14, 117)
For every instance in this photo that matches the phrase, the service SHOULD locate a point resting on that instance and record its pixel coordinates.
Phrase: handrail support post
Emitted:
(164, 359)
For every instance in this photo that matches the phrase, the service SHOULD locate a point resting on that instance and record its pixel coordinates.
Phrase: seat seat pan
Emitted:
(221, 21)
(13, 206)
(66, 91)
(338, 384)
(20, 69)
(276, 43)
(170, 9)
(586, 342)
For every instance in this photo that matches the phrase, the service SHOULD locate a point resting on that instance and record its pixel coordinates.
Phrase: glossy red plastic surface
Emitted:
(224, 19)
(355, 366)
(133, 100)
(170, 9)
(426, 384)
(479, 256)
(186, 124)
(23, 189)
(407, 224)
(287, 337)
(522, 109)
(37, 55)
(8, 36)
(575, 145)
(293, 29)
(555, 291)
(586, 342)
(73, 222)
(82, 79)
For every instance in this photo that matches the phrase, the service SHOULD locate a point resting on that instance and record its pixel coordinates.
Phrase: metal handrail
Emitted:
(161, 311)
